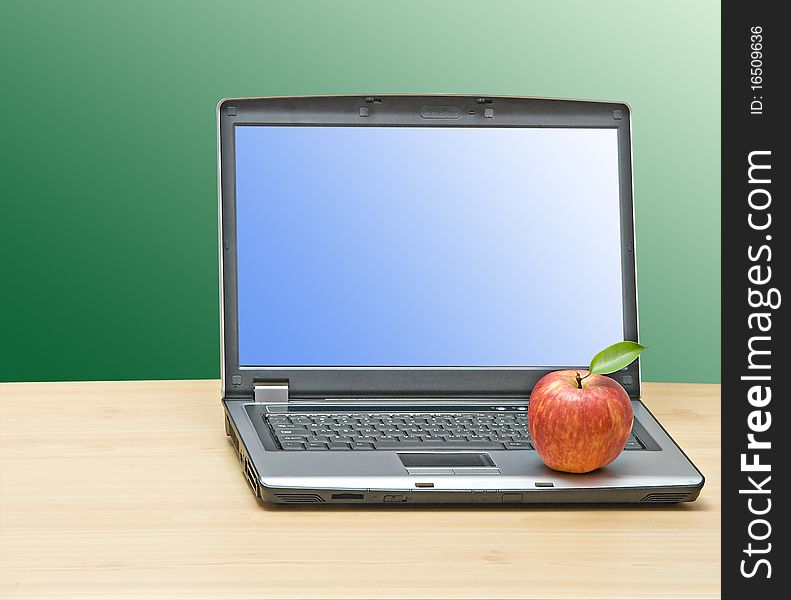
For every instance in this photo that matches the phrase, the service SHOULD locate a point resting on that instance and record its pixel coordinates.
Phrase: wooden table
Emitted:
(131, 490)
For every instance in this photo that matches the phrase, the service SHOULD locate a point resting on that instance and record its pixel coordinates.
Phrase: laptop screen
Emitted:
(427, 246)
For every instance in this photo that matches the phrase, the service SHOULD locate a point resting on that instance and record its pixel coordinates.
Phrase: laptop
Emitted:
(397, 273)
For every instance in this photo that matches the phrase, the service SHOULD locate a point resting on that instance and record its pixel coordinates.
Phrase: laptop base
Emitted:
(645, 477)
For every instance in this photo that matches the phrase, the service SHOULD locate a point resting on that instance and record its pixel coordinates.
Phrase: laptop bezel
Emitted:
(421, 111)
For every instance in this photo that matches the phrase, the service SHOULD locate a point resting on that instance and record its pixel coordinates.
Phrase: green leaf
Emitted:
(615, 357)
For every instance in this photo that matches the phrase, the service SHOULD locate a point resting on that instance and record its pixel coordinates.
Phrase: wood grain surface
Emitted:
(129, 490)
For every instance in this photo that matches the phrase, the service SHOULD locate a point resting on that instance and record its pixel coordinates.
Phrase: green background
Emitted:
(108, 222)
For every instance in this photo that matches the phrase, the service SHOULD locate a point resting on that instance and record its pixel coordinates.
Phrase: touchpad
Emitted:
(453, 460)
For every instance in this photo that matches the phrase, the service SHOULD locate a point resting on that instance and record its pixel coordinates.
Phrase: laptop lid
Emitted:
(397, 246)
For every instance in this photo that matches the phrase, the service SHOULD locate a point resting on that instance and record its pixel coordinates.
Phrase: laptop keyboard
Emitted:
(406, 431)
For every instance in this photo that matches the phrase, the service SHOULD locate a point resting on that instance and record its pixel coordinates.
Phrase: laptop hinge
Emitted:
(271, 392)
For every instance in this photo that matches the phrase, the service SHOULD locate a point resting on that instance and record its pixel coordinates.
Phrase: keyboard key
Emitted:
(362, 446)
(482, 445)
(316, 438)
(292, 446)
(341, 439)
(292, 432)
(519, 445)
(437, 446)
(339, 446)
(390, 445)
(316, 446)
(433, 443)
(288, 427)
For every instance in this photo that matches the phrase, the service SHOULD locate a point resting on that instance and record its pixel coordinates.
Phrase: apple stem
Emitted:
(579, 380)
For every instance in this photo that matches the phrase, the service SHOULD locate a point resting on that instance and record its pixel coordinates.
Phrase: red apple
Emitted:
(579, 426)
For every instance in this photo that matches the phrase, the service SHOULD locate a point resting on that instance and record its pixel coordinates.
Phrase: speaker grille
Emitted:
(299, 498)
(666, 497)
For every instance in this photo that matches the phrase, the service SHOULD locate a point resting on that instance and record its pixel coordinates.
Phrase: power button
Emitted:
(395, 498)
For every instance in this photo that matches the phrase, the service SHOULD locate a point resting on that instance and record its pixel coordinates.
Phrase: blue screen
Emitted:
(427, 246)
